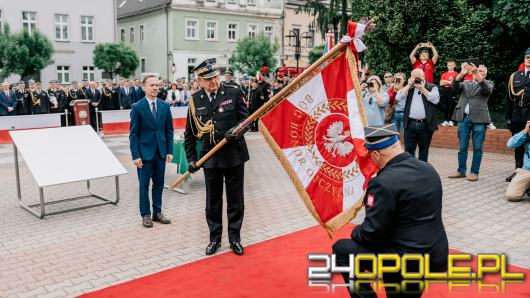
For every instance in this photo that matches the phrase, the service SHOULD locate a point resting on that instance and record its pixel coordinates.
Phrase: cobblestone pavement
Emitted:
(73, 253)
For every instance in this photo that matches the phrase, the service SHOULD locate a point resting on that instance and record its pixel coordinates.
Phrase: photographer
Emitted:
(395, 110)
(520, 182)
(374, 101)
(419, 119)
(472, 114)
(425, 63)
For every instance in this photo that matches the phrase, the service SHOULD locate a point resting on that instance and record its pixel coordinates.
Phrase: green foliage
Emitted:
(496, 31)
(116, 59)
(316, 53)
(23, 53)
(332, 16)
(253, 53)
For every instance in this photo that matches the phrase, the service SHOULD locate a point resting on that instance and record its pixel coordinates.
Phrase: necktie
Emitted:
(212, 96)
(153, 110)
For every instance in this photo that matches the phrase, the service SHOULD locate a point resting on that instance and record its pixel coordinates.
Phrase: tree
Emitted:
(116, 59)
(332, 16)
(253, 53)
(316, 53)
(24, 54)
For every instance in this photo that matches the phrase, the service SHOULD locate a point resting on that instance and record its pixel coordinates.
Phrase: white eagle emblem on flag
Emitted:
(336, 140)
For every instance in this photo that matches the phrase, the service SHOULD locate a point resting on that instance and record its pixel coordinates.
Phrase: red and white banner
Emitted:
(8, 123)
(118, 121)
(317, 133)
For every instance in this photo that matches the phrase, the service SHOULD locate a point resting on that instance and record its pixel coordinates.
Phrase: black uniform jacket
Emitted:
(226, 111)
(517, 108)
(403, 205)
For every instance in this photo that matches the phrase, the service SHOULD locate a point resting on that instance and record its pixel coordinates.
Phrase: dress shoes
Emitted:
(147, 222)
(212, 248)
(161, 218)
(237, 248)
(509, 178)
(456, 175)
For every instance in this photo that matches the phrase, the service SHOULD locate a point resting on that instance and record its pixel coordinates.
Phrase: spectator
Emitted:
(447, 92)
(125, 96)
(173, 96)
(185, 94)
(374, 101)
(137, 91)
(8, 101)
(419, 119)
(473, 117)
(399, 107)
(388, 78)
(277, 88)
(425, 63)
(468, 76)
(520, 183)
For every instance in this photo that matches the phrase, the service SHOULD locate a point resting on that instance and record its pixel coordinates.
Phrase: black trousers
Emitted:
(417, 134)
(447, 100)
(342, 250)
(516, 127)
(233, 179)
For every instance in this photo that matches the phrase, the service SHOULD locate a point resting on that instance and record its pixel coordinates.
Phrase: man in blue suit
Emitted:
(137, 91)
(8, 101)
(151, 143)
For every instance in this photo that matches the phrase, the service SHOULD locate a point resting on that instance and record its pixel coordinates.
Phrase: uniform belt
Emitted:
(417, 120)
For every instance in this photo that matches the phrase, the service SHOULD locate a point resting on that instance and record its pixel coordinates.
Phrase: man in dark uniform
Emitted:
(213, 113)
(517, 108)
(53, 94)
(255, 101)
(229, 75)
(23, 98)
(40, 101)
(106, 96)
(403, 205)
(74, 94)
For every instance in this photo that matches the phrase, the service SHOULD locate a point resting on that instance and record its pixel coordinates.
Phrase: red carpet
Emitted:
(274, 268)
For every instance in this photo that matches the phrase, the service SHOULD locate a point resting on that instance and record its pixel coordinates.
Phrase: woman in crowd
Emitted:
(374, 101)
(173, 96)
(395, 110)
(185, 94)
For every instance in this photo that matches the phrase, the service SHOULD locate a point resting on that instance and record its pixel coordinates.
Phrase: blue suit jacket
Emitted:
(148, 136)
(8, 102)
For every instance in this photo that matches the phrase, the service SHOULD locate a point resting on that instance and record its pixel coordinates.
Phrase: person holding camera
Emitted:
(521, 182)
(374, 101)
(395, 109)
(419, 118)
(472, 114)
(425, 63)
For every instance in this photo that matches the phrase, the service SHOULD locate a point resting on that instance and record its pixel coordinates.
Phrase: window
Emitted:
(191, 29)
(63, 74)
(311, 40)
(232, 1)
(88, 73)
(211, 30)
(122, 35)
(252, 30)
(141, 33)
(269, 32)
(61, 27)
(233, 32)
(29, 21)
(251, 2)
(142, 65)
(131, 34)
(87, 28)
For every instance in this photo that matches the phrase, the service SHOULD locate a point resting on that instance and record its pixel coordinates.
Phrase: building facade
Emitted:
(73, 26)
(298, 24)
(182, 33)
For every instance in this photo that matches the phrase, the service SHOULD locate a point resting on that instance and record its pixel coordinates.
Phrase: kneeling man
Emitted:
(403, 205)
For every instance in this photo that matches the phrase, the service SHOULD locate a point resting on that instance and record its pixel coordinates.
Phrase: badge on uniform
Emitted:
(370, 200)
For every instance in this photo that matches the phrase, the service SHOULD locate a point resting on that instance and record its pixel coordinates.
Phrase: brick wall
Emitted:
(496, 139)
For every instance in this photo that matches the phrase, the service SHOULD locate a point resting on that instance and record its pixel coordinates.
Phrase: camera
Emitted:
(417, 81)
(397, 80)
(370, 85)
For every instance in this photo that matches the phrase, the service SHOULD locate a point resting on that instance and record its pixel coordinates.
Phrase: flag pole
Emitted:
(274, 101)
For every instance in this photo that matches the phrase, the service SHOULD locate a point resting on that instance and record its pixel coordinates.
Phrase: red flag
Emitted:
(317, 133)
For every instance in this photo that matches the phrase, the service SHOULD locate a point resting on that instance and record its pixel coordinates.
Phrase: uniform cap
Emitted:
(207, 69)
(380, 136)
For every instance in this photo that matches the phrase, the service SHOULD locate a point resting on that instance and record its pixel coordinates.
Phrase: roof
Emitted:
(126, 8)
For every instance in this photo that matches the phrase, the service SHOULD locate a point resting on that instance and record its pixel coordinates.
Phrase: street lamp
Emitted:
(297, 43)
